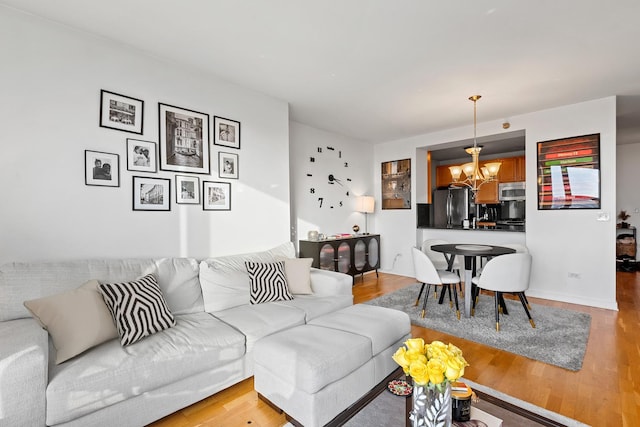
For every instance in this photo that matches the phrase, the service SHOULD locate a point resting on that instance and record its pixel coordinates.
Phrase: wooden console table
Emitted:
(351, 255)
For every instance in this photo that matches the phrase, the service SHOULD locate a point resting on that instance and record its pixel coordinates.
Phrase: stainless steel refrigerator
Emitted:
(451, 206)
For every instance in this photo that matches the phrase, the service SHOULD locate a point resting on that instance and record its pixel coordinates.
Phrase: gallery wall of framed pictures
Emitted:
(185, 146)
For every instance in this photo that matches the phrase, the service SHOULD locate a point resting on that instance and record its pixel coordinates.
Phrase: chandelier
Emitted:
(475, 175)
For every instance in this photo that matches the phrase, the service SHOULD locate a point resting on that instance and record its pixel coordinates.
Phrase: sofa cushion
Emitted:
(298, 272)
(260, 320)
(236, 262)
(315, 306)
(138, 308)
(222, 288)
(268, 282)
(76, 320)
(109, 373)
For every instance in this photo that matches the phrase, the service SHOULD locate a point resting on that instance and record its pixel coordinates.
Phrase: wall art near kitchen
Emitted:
(102, 169)
(227, 165)
(569, 173)
(227, 132)
(216, 196)
(187, 190)
(141, 156)
(184, 140)
(396, 184)
(121, 112)
(151, 194)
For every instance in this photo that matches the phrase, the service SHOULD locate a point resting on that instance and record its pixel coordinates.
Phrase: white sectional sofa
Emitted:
(209, 348)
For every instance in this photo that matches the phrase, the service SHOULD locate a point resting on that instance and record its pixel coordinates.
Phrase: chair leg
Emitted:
(449, 289)
(526, 300)
(524, 305)
(455, 296)
(496, 298)
(424, 304)
(475, 298)
(419, 295)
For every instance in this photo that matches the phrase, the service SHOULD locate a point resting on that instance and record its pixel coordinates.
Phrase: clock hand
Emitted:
(333, 179)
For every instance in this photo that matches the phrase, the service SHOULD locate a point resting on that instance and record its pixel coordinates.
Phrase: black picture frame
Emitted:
(226, 132)
(151, 194)
(142, 156)
(121, 112)
(216, 196)
(101, 169)
(568, 172)
(183, 139)
(396, 184)
(187, 190)
(228, 165)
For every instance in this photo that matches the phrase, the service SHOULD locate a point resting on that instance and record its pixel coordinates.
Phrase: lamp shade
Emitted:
(365, 204)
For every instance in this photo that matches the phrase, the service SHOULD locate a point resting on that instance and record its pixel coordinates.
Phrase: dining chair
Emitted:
(506, 274)
(519, 248)
(427, 274)
(439, 259)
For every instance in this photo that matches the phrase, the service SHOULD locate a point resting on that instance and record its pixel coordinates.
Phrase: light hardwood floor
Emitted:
(605, 392)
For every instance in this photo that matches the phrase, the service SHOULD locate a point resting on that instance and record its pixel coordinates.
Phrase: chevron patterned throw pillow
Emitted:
(138, 308)
(268, 282)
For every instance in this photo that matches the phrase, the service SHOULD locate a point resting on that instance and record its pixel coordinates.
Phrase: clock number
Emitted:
(347, 194)
(330, 148)
(320, 199)
(312, 159)
(349, 179)
(312, 191)
(319, 149)
(346, 164)
(341, 203)
(309, 174)
(339, 154)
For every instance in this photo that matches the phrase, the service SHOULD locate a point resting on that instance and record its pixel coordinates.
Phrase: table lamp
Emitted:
(365, 205)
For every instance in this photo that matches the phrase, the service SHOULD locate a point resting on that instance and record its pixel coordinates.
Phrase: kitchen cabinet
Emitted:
(488, 193)
(349, 255)
(443, 176)
(512, 169)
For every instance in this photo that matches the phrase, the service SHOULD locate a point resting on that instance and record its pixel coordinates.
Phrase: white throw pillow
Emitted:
(222, 288)
(298, 272)
(268, 282)
(76, 320)
(138, 308)
(236, 262)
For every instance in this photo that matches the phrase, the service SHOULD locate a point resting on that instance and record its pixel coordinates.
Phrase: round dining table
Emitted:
(470, 251)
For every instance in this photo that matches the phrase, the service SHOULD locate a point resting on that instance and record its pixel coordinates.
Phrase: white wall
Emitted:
(50, 81)
(574, 254)
(306, 211)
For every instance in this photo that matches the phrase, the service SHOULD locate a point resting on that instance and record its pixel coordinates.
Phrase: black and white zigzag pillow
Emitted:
(138, 308)
(268, 282)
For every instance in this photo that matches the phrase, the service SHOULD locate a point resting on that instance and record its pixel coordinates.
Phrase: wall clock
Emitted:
(330, 181)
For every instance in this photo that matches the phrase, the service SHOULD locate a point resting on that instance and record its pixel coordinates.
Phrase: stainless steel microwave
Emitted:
(511, 191)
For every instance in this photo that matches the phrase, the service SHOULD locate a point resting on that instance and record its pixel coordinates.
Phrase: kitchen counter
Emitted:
(500, 227)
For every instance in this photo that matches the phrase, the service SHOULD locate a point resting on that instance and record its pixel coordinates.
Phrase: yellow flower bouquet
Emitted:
(432, 364)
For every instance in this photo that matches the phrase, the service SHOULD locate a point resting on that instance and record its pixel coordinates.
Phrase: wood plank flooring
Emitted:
(605, 392)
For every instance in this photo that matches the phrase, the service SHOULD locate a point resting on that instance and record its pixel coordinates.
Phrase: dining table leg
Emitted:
(468, 275)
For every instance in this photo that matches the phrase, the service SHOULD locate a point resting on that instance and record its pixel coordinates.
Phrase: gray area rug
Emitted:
(560, 337)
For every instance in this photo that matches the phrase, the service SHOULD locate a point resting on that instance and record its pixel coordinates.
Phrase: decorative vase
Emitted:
(431, 406)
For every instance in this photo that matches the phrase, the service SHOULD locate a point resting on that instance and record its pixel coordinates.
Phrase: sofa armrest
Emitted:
(325, 282)
(24, 366)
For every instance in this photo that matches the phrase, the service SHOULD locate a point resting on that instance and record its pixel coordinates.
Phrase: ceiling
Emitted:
(380, 70)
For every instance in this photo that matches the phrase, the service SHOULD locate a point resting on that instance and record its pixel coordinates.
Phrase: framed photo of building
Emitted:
(187, 190)
(227, 132)
(184, 140)
(396, 184)
(151, 194)
(216, 196)
(141, 156)
(227, 165)
(569, 173)
(101, 169)
(121, 112)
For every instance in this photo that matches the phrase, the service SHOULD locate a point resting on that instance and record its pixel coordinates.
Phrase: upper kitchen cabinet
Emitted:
(443, 176)
(487, 193)
(512, 169)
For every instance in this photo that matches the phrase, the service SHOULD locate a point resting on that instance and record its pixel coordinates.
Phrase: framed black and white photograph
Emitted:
(187, 190)
(226, 132)
(227, 165)
(216, 196)
(184, 140)
(396, 184)
(141, 156)
(102, 169)
(151, 194)
(121, 112)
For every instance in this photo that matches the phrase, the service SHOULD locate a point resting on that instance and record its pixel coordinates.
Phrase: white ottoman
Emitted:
(313, 372)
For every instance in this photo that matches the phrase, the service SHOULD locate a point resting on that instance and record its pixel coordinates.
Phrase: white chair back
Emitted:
(506, 273)
(437, 258)
(424, 269)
